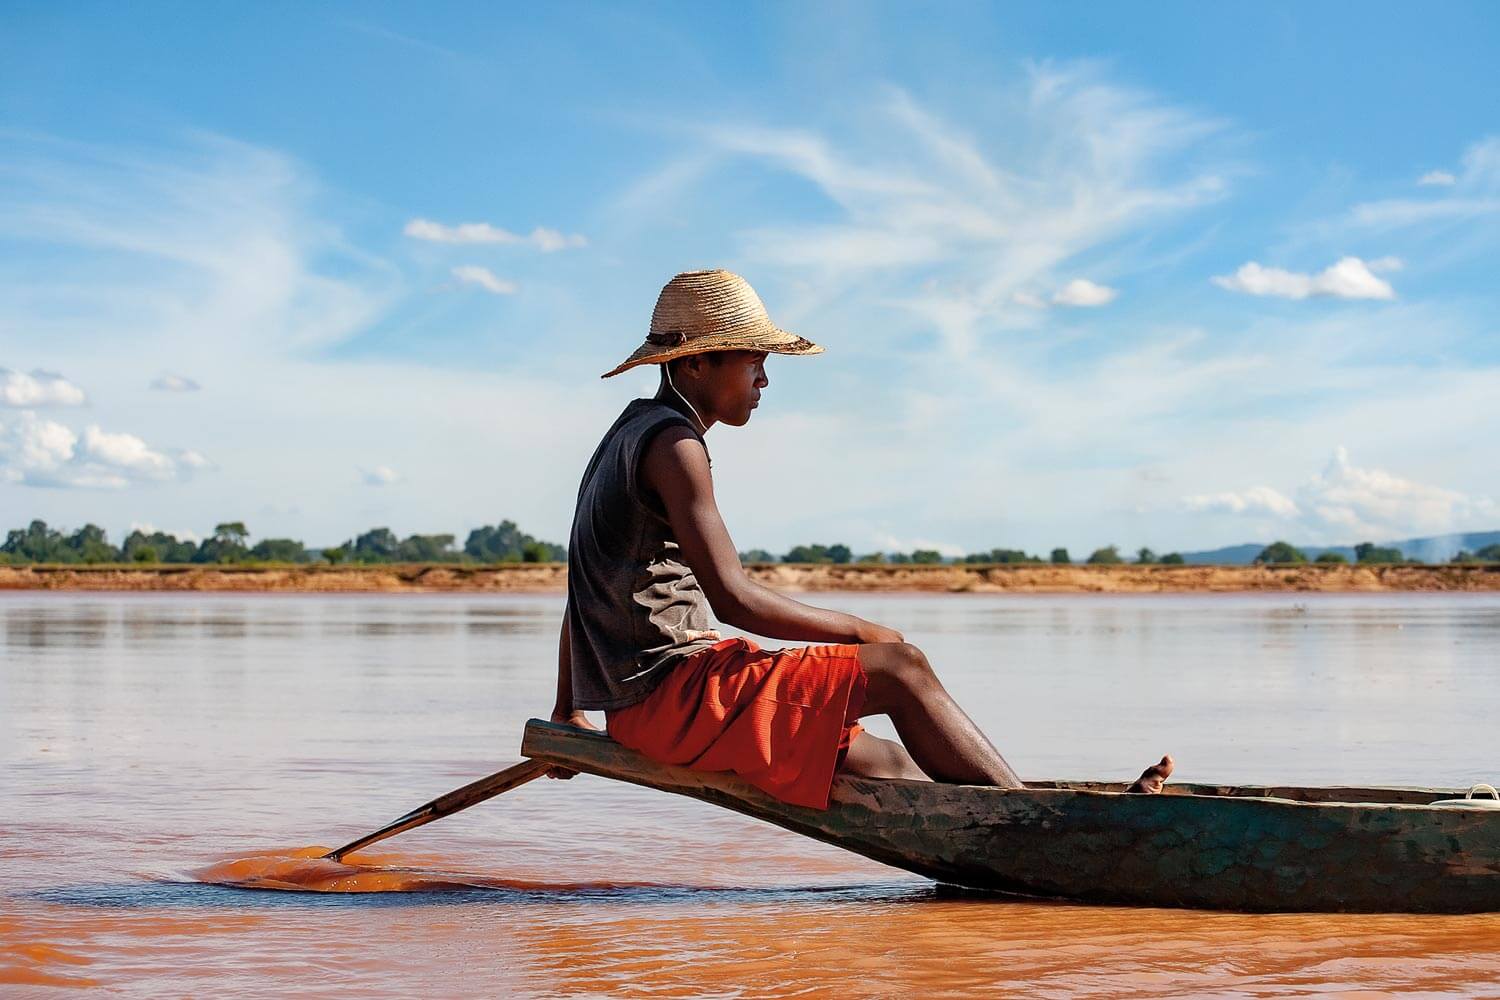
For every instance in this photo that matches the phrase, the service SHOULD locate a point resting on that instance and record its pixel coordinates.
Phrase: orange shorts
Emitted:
(782, 719)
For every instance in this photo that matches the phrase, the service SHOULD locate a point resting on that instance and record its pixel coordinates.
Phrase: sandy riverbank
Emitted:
(551, 578)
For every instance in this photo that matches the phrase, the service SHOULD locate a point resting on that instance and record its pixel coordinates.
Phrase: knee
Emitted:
(900, 666)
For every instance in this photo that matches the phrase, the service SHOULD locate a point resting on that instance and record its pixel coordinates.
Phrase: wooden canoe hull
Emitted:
(1200, 846)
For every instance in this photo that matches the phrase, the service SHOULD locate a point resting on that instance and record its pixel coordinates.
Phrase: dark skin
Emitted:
(938, 740)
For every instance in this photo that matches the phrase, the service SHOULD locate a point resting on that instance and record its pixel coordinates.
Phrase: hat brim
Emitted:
(779, 342)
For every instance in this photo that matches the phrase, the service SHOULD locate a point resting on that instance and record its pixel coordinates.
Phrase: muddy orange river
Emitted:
(173, 766)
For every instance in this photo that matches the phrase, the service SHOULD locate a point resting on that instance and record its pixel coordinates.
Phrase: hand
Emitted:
(870, 632)
(578, 720)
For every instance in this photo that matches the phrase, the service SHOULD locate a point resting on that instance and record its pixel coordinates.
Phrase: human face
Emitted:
(730, 383)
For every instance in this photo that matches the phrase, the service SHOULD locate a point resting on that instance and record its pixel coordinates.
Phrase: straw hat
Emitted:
(702, 311)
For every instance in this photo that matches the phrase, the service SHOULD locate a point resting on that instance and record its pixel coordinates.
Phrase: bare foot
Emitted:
(1153, 777)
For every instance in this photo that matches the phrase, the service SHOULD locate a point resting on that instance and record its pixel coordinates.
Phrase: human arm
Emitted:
(562, 708)
(675, 468)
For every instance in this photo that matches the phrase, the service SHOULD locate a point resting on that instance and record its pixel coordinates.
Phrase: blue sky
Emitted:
(1146, 275)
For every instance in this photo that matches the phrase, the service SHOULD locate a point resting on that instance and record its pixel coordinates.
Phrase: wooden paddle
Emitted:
(446, 805)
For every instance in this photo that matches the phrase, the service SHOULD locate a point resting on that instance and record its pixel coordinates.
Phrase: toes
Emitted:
(1153, 777)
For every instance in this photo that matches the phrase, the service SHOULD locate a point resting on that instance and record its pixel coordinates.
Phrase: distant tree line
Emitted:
(1365, 553)
(506, 543)
(1277, 553)
(230, 543)
(839, 553)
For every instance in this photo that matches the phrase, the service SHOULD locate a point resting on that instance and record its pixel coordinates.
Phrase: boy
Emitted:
(649, 556)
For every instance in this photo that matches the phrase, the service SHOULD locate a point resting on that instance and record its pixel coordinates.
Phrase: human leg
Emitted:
(941, 739)
(872, 757)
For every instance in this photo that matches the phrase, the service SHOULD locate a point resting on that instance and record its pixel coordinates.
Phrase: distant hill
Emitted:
(1439, 548)
(1234, 555)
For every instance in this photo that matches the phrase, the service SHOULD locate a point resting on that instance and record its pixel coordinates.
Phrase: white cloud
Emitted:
(885, 542)
(1375, 504)
(38, 388)
(147, 528)
(1345, 503)
(1029, 299)
(380, 475)
(544, 239)
(1256, 500)
(1084, 293)
(550, 240)
(1437, 178)
(473, 274)
(168, 382)
(35, 451)
(1350, 278)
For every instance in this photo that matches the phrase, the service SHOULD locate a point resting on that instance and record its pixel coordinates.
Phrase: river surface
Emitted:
(146, 737)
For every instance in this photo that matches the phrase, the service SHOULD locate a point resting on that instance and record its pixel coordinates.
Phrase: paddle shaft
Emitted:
(446, 805)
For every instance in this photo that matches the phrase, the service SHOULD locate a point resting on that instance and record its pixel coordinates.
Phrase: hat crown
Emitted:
(698, 304)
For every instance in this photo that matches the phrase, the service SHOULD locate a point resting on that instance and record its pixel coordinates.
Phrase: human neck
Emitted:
(668, 392)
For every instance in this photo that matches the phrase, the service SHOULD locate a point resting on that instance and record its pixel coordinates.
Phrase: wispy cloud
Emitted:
(483, 277)
(471, 233)
(168, 382)
(216, 230)
(38, 388)
(1472, 194)
(380, 475)
(1349, 278)
(1256, 500)
(1069, 165)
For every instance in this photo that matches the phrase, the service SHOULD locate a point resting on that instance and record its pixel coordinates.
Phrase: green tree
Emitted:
(757, 556)
(872, 558)
(543, 552)
(144, 554)
(1464, 556)
(37, 543)
(427, 548)
(378, 545)
(1001, 556)
(1331, 558)
(226, 545)
(1490, 553)
(1368, 552)
(232, 533)
(1060, 557)
(899, 558)
(1281, 553)
(839, 553)
(505, 542)
(279, 550)
(926, 557)
(1145, 557)
(336, 554)
(1107, 556)
(1173, 559)
(91, 545)
(167, 548)
(807, 554)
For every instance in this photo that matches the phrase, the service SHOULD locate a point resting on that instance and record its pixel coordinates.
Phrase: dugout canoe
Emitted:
(1239, 847)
